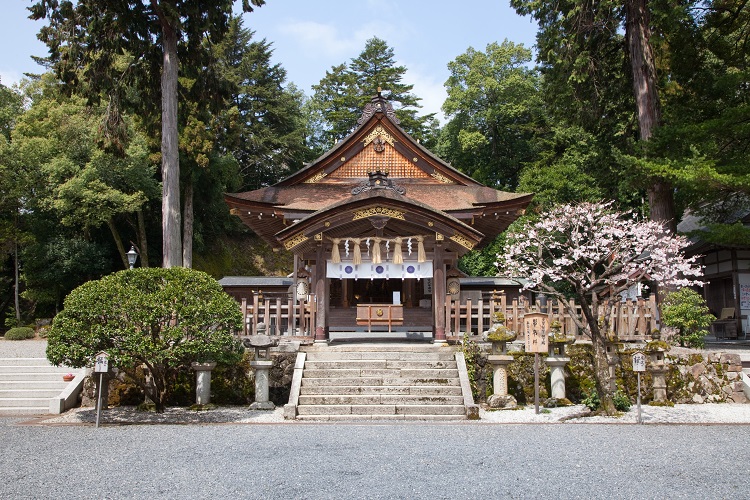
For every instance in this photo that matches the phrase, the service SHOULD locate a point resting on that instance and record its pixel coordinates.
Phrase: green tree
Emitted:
(687, 311)
(495, 110)
(160, 319)
(345, 90)
(588, 65)
(100, 47)
(267, 132)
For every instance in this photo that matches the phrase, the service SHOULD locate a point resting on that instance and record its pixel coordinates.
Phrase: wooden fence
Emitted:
(631, 320)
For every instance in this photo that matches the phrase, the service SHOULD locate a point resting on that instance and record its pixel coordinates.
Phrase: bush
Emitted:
(164, 318)
(621, 401)
(592, 401)
(687, 311)
(19, 333)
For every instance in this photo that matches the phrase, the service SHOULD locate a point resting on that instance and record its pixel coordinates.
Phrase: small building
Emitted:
(377, 225)
(726, 277)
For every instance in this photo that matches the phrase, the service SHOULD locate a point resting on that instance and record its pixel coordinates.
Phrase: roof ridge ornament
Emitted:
(378, 180)
(378, 104)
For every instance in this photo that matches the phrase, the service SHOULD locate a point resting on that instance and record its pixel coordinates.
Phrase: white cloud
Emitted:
(427, 87)
(10, 77)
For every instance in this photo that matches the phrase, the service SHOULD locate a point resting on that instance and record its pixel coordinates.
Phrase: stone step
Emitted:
(427, 390)
(442, 355)
(25, 402)
(345, 409)
(385, 373)
(33, 393)
(32, 368)
(6, 411)
(375, 418)
(384, 347)
(33, 376)
(379, 399)
(372, 364)
(58, 384)
(24, 362)
(384, 381)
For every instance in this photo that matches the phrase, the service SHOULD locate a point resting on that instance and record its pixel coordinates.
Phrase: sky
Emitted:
(309, 37)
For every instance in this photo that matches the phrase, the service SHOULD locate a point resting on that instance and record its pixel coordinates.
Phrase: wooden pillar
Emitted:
(345, 287)
(321, 295)
(438, 293)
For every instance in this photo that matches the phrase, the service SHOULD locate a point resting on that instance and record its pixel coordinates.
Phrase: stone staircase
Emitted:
(380, 382)
(28, 384)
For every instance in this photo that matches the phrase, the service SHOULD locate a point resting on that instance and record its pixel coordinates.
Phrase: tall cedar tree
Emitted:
(86, 38)
(581, 47)
(343, 92)
(268, 139)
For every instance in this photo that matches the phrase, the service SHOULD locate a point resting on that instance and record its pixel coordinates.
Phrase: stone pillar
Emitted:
(203, 381)
(262, 369)
(658, 371)
(321, 295)
(499, 364)
(557, 375)
(438, 294)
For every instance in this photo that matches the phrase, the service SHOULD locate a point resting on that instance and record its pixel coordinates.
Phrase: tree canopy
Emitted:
(162, 319)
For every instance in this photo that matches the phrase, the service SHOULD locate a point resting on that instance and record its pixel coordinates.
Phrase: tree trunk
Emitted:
(142, 239)
(643, 67)
(170, 161)
(118, 243)
(600, 358)
(16, 293)
(187, 229)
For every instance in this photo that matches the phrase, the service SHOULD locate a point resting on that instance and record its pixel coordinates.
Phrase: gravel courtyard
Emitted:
(419, 460)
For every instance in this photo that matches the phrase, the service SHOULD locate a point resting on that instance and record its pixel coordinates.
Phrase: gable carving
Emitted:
(388, 160)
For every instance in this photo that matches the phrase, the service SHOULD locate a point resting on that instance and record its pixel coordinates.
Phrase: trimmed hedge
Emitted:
(19, 333)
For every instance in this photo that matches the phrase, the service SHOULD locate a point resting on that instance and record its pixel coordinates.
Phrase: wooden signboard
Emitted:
(536, 329)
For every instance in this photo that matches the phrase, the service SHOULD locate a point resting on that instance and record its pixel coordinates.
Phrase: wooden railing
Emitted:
(280, 315)
(631, 320)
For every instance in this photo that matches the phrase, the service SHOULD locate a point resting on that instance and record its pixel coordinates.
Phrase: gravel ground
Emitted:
(420, 460)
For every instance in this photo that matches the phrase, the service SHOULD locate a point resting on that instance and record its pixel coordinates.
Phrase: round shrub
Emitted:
(162, 319)
(19, 333)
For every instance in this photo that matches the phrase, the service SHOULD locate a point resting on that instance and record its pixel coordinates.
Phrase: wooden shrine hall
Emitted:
(376, 226)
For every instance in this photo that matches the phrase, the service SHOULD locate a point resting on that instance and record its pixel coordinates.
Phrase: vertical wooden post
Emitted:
(438, 290)
(243, 309)
(321, 295)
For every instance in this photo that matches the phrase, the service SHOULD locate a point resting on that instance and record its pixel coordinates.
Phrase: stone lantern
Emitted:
(262, 366)
(656, 351)
(556, 360)
(499, 336)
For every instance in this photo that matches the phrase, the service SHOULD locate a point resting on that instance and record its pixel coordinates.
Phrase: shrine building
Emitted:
(377, 225)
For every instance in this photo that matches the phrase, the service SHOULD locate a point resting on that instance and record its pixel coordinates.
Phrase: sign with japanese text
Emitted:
(639, 362)
(536, 330)
(102, 363)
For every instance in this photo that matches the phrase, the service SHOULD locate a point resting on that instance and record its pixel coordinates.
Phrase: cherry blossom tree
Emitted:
(597, 252)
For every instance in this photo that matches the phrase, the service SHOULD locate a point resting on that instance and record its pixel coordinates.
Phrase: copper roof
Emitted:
(377, 144)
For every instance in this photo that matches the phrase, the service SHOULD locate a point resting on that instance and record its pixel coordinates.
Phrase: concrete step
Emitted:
(6, 411)
(414, 390)
(24, 362)
(32, 393)
(57, 384)
(441, 355)
(344, 409)
(371, 418)
(25, 402)
(372, 364)
(32, 368)
(385, 373)
(33, 376)
(379, 399)
(385, 381)
(384, 347)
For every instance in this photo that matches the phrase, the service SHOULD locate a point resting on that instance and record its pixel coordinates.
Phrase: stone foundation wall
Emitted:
(692, 377)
